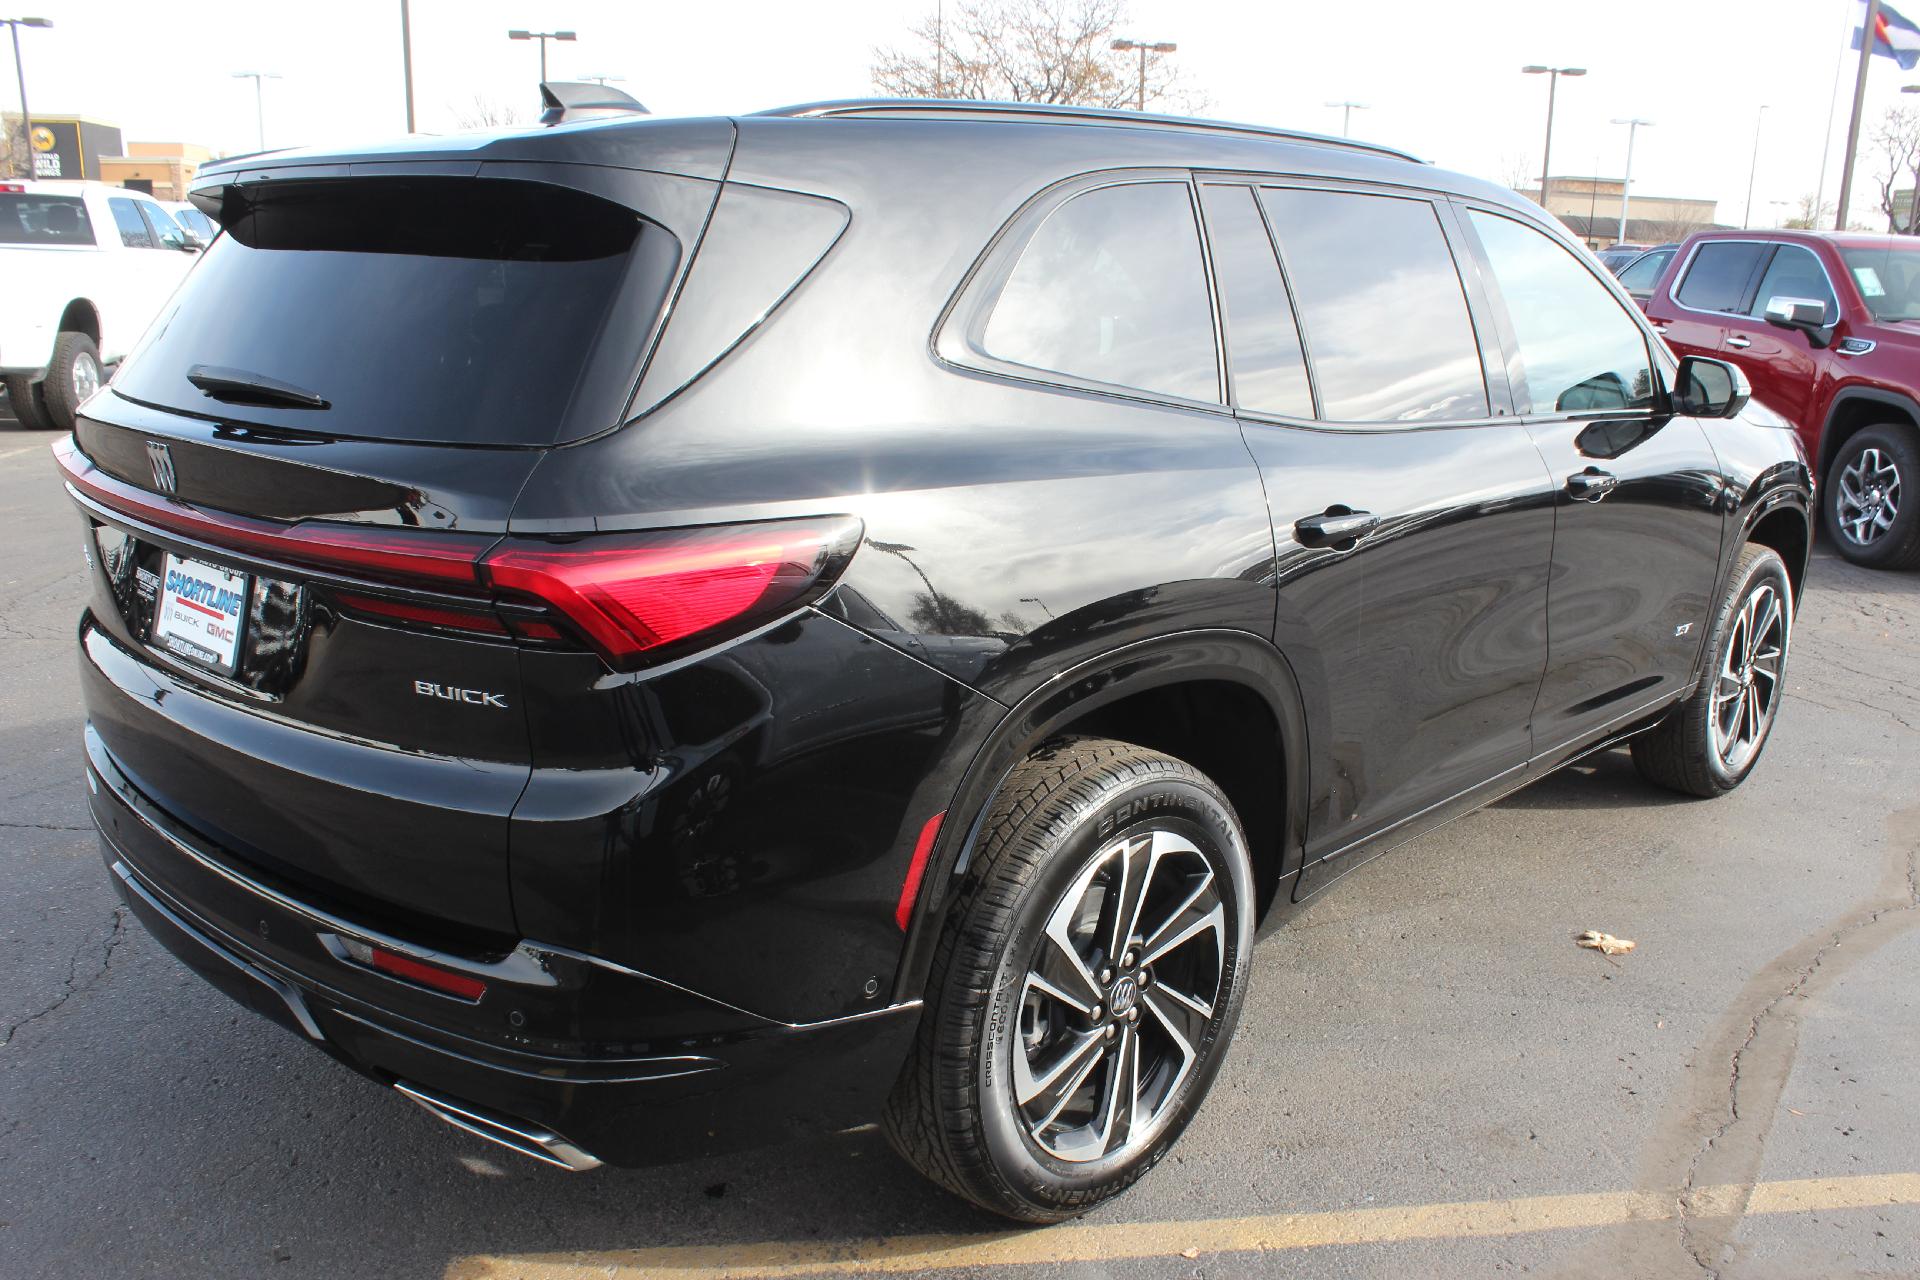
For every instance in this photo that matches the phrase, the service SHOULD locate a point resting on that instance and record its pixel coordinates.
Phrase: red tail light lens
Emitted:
(635, 594)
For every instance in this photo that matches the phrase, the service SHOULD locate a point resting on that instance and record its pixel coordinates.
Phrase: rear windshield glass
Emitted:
(1888, 280)
(32, 219)
(447, 310)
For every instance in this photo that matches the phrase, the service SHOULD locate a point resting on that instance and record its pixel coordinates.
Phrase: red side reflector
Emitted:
(399, 966)
(910, 890)
(634, 593)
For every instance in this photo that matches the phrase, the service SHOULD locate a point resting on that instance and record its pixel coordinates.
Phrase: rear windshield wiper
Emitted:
(237, 386)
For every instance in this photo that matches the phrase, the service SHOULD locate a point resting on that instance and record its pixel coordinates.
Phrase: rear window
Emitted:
(1718, 278)
(36, 219)
(460, 311)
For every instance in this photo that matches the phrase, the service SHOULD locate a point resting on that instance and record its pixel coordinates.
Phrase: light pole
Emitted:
(406, 56)
(1145, 47)
(13, 26)
(1746, 218)
(1346, 115)
(1626, 186)
(542, 37)
(259, 102)
(1553, 75)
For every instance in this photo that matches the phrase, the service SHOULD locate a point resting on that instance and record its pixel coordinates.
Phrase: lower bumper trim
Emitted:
(529, 1140)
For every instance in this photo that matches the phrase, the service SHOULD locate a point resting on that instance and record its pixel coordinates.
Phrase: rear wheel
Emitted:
(1087, 980)
(1708, 744)
(72, 376)
(24, 399)
(1872, 498)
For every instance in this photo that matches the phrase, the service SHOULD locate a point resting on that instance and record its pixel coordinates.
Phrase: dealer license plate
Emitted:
(199, 613)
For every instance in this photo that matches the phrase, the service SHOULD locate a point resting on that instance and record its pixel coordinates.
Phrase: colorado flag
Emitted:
(1893, 35)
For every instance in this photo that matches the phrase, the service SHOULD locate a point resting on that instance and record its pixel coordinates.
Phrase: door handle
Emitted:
(1739, 342)
(1592, 484)
(1334, 526)
(1659, 326)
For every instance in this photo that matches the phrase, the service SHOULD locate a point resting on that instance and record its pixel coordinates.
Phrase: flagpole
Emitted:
(1869, 33)
(1826, 139)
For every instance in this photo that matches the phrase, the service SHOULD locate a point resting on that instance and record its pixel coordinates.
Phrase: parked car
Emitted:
(1618, 255)
(192, 221)
(1824, 326)
(86, 268)
(1639, 276)
(895, 680)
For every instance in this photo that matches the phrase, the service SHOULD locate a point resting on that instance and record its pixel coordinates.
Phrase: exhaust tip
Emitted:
(529, 1140)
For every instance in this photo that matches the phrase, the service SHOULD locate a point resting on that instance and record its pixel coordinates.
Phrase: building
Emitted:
(72, 147)
(161, 169)
(1590, 208)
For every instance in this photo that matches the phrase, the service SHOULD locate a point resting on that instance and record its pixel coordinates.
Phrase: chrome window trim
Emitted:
(1686, 269)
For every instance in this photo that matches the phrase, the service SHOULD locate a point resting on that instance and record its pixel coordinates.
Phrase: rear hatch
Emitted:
(289, 489)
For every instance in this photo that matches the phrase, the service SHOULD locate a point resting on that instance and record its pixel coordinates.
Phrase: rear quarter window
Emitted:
(1718, 276)
(36, 219)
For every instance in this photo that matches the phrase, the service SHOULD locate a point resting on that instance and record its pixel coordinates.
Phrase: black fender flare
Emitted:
(1854, 395)
(1236, 657)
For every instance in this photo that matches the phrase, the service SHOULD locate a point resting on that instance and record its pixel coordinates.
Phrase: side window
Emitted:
(1644, 271)
(1263, 343)
(1382, 306)
(159, 224)
(1795, 273)
(133, 228)
(1718, 275)
(1111, 288)
(1581, 350)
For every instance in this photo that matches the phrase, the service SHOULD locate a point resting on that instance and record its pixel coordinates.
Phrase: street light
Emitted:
(259, 104)
(1746, 218)
(13, 26)
(1626, 186)
(1145, 47)
(602, 80)
(1346, 117)
(1553, 75)
(542, 37)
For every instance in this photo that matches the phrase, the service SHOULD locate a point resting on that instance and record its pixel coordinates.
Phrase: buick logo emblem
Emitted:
(1124, 995)
(160, 458)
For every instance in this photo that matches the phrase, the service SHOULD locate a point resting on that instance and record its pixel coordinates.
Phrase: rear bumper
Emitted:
(565, 1057)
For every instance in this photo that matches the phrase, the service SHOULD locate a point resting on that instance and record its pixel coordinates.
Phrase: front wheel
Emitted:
(1087, 980)
(1872, 498)
(1708, 744)
(72, 376)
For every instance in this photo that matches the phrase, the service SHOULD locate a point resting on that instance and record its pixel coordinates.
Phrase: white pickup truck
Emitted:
(84, 269)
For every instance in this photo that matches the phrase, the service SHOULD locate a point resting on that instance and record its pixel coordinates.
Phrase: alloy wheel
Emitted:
(1118, 996)
(1869, 497)
(84, 377)
(1747, 689)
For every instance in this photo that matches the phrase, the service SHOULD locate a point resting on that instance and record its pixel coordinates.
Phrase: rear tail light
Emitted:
(634, 594)
(635, 597)
(395, 964)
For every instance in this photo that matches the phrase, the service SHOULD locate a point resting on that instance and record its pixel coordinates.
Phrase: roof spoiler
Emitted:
(569, 100)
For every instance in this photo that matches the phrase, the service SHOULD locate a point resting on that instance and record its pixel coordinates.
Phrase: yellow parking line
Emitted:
(14, 453)
(1110, 1242)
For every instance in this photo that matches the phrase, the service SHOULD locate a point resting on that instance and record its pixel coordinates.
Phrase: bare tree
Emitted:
(1044, 51)
(19, 155)
(489, 113)
(1896, 143)
(1814, 213)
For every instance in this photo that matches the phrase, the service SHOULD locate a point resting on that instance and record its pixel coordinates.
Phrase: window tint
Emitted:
(1111, 288)
(160, 224)
(1644, 272)
(1381, 305)
(1581, 350)
(37, 219)
(1795, 273)
(1717, 278)
(133, 228)
(1263, 344)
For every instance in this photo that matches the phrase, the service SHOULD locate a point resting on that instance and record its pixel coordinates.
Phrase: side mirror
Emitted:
(1808, 315)
(1706, 388)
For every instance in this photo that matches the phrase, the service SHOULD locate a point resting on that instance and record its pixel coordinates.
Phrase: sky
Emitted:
(1442, 80)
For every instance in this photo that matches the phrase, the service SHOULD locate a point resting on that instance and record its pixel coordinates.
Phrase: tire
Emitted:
(73, 374)
(27, 405)
(1708, 744)
(1872, 498)
(1066, 823)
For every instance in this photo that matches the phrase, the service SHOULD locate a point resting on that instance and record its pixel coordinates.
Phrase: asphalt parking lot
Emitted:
(1431, 1079)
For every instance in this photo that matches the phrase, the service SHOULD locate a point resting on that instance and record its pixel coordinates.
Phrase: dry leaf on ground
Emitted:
(1605, 943)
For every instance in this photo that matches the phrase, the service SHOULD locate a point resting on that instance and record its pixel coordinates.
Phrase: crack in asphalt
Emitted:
(75, 984)
(1706, 1252)
(44, 826)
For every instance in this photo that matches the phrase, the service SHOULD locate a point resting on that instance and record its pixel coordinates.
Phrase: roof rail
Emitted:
(953, 109)
(569, 100)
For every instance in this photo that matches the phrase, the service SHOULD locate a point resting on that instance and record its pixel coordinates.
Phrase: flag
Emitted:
(1893, 35)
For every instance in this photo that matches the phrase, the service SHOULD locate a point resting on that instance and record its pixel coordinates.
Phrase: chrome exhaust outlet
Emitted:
(529, 1140)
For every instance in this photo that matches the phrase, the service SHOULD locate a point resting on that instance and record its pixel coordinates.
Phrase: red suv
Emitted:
(1827, 328)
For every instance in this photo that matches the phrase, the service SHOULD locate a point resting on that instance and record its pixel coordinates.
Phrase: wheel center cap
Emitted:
(1123, 995)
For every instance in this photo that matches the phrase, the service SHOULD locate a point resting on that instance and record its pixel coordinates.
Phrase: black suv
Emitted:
(646, 635)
